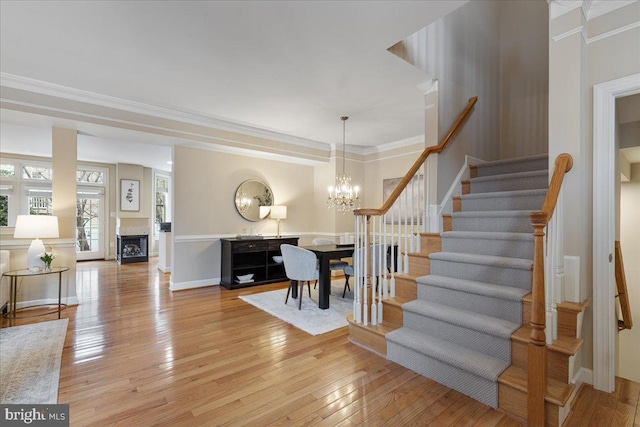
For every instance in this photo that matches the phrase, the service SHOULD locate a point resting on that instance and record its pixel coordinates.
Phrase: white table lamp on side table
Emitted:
(278, 213)
(36, 227)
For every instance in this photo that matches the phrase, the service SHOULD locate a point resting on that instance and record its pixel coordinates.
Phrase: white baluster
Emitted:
(357, 299)
(406, 232)
(374, 317)
(385, 281)
(381, 280)
(392, 283)
(365, 272)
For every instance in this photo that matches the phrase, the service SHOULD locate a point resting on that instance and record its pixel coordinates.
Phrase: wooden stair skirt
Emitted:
(512, 384)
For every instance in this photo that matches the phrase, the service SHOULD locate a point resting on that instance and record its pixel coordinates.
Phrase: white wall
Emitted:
(629, 340)
(581, 54)
(204, 186)
(495, 50)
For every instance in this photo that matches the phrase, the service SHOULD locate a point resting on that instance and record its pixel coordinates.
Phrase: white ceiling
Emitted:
(294, 67)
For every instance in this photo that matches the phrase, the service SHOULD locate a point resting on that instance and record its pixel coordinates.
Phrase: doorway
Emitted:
(604, 188)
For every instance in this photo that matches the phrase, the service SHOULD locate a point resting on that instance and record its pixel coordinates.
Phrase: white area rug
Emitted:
(30, 358)
(310, 319)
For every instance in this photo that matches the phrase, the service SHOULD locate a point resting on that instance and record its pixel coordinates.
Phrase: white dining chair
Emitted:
(300, 265)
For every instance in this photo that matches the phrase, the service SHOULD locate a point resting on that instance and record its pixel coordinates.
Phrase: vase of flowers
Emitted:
(47, 257)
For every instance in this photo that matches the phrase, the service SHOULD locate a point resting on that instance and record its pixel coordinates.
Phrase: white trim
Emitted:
(13, 244)
(446, 206)
(583, 376)
(590, 8)
(568, 33)
(601, 7)
(180, 286)
(604, 155)
(186, 116)
(407, 142)
(561, 7)
(164, 269)
(613, 32)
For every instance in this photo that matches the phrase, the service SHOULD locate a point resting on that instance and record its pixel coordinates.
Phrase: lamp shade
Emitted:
(36, 227)
(264, 211)
(278, 212)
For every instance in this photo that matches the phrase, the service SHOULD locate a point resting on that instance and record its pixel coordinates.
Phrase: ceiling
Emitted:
(293, 67)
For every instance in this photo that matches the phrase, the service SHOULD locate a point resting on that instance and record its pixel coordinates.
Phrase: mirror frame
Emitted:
(263, 197)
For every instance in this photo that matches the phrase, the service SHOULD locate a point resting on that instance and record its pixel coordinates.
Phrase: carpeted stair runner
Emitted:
(458, 330)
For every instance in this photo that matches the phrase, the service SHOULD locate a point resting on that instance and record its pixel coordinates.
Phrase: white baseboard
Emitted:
(446, 207)
(180, 286)
(583, 376)
(164, 269)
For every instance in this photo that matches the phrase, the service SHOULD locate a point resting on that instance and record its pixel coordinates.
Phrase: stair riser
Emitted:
(531, 165)
(502, 309)
(392, 313)
(406, 288)
(478, 388)
(419, 266)
(503, 248)
(514, 402)
(497, 224)
(515, 184)
(430, 243)
(367, 339)
(483, 273)
(497, 347)
(557, 363)
(513, 203)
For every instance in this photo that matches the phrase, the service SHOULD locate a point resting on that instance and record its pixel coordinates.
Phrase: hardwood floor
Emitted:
(138, 355)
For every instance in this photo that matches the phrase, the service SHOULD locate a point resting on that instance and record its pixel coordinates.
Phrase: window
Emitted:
(7, 170)
(161, 201)
(40, 202)
(41, 173)
(4, 211)
(90, 176)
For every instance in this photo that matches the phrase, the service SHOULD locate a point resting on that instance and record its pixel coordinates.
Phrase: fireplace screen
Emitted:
(132, 249)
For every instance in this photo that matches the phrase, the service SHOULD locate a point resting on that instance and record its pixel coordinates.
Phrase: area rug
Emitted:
(30, 358)
(310, 318)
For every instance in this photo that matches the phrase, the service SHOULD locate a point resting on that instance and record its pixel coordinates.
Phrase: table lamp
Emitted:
(278, 213)
(36, 227)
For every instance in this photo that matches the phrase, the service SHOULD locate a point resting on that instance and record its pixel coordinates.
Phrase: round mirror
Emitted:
(251, 195)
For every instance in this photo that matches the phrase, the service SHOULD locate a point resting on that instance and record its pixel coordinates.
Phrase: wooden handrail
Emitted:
(537, 351)
(423, 157)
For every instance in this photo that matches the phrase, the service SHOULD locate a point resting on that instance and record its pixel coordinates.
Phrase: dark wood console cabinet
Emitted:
(243, 256)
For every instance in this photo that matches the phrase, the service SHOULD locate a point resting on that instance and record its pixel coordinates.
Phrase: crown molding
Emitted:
(418, 139)
(191, 117)
(590, 8)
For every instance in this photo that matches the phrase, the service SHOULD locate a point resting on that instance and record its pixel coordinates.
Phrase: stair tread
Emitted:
(513, 175)
(453, 354)
(419, 255)
(575, 307)
(494, 261)
(564, 345)
(558, 392)
(380, 329)
(398, 301)
(487, 235)
(500, 194)
(474, 321)
(490, 163)
(491, 214)
(510, 293)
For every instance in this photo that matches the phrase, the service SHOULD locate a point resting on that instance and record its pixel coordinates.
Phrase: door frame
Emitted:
(604, 181)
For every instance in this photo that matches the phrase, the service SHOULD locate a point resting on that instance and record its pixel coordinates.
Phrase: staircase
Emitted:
(458, 316)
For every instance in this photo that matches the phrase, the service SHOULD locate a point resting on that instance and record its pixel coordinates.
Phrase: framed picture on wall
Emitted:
(129, 195)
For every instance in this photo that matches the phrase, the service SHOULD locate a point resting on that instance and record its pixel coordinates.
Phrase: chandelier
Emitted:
(343, 196)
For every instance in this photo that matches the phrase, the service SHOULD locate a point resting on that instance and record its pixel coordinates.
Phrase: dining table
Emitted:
(325, 254)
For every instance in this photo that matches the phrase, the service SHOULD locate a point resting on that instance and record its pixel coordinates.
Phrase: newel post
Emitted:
(537, 351)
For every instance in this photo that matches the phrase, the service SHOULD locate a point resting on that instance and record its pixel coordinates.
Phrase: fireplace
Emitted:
(132, 249)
